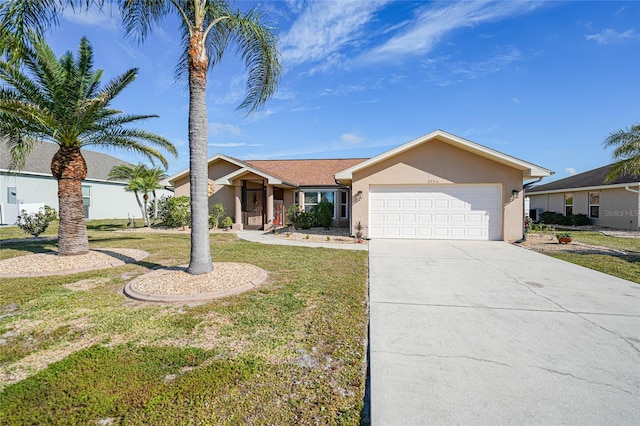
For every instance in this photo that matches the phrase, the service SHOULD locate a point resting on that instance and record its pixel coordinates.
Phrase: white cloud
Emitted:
(570, 171)
(324, 28)
(351, 138)
(93, 17)
(218, 129)
(609, 36)
(433, 22)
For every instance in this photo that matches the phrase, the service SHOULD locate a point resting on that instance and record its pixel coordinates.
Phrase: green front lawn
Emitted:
(625, 267)
(74, 350)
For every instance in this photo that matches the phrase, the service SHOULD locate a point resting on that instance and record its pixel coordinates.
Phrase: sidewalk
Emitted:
(267, 238)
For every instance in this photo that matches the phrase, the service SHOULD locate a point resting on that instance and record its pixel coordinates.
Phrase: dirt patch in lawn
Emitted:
(317, 235)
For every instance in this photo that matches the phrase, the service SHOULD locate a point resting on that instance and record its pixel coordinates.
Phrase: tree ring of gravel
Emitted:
(174, 284)
(50, 263)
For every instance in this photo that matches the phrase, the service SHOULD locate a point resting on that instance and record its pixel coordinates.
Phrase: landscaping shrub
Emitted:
(36, 223)
(174, 211)
(227, 222)
(560, 219)
(215, 214)
(323, 213)
(580, 219)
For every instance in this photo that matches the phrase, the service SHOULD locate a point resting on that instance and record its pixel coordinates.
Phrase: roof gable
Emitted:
(39, 161)
(529, 170)
(588, 179)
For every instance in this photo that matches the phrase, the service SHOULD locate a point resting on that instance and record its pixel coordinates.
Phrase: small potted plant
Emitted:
(227, 223)
(359, 229)
(564, 237)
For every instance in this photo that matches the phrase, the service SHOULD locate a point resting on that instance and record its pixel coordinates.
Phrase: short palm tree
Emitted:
(141, 180)
(207, 27)
(627, 152)
(63, 101)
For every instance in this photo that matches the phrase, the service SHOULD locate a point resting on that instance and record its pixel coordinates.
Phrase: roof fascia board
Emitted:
(226, 180)
(583, 188)
(529, 170)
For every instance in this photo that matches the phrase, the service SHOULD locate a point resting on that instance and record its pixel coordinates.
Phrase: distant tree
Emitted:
(207, 28)
(627, 152)
(141, 180)
(63, 101)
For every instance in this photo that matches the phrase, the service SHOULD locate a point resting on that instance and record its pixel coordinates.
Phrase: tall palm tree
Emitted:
(627, 152)
(63, 101)
(208, 27)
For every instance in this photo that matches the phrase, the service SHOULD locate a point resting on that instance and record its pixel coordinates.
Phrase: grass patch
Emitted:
(289, 352)
(622, 266)
(625, 267)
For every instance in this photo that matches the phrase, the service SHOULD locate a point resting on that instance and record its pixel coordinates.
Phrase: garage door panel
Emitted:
(436, 212)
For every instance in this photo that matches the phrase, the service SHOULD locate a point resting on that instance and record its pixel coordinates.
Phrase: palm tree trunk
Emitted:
(145, 211)
(139, 205)
(200, 261)
(155, 207)
(70, 169)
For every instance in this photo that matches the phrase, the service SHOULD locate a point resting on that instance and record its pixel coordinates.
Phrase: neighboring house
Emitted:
(35, 184)
(438, 186)
(612, 204)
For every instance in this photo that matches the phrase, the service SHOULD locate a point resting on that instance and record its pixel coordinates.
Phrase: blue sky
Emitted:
(542, 81)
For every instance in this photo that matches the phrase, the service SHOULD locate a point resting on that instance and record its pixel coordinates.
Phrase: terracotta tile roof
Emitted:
(305, 172)
(595, 177)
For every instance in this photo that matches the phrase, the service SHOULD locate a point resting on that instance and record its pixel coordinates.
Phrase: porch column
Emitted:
(269, 223)
(238, 215)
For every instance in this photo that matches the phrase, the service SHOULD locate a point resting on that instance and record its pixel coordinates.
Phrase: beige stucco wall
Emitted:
(438, 163)
(618, 207)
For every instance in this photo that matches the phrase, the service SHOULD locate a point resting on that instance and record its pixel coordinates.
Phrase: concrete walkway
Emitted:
(268, 238)
(489, 333)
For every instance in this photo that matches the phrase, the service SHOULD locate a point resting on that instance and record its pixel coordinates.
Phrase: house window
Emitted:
(594, 204)
(344, 206)
(311, 199)
(86, 199)
(11, 195)
(568, 204)
(296, 198)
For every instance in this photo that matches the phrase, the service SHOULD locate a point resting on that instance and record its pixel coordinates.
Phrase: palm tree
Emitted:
(627, 152)
(208, 27)
(63, 101)
(141, 179)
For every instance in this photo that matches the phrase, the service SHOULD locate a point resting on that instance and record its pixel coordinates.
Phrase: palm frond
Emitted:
(627, 151)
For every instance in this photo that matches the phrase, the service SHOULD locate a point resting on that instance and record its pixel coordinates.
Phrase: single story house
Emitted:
(438, 186)
(35, 185)
(612, 204)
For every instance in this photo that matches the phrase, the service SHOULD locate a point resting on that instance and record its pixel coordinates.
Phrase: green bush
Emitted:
(560, 219)
(323, 213)
(174, 211)
(215, 214)
(305, 220)
(580, 219)
(227, 222)
(36, 223)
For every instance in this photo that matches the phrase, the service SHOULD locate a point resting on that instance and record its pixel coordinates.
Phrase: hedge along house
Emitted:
(438, 186)
(34, 185)
(612, 204)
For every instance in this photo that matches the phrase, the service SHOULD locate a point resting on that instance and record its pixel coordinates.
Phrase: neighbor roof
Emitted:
(589, 179)
(529, 170)
(39, 161)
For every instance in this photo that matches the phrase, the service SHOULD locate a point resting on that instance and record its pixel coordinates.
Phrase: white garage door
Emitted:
(461, 212)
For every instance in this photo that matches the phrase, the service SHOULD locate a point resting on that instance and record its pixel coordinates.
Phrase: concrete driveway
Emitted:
(490, 333)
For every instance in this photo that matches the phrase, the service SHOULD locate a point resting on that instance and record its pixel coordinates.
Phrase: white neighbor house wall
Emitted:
(109, 200)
